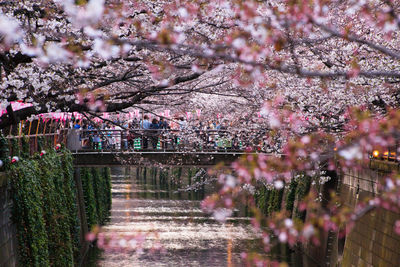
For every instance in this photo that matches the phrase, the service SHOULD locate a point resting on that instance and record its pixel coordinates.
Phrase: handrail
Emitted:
(160, 130)
(168, 139)
(31, 135)
(139, 139)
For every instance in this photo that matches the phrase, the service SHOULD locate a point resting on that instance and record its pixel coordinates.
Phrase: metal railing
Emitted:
(58, 137)
(168, 140)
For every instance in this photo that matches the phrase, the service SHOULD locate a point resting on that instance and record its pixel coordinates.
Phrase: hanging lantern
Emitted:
(198, 113)
(167, 113)
(1, 163)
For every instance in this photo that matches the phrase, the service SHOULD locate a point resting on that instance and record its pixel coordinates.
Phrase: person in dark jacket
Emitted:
(163, 124)
(154, 126)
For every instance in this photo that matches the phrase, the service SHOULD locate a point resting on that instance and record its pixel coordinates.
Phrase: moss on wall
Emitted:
(303, 187)
(45, 204)
(291, 196)
(102, 189)
(270, 200)
(28, 215)
(89, 197)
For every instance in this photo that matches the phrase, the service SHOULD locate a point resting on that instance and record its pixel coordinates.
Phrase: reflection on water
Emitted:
(148, 200)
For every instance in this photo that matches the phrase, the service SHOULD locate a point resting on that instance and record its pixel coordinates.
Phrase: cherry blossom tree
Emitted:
(303, 64)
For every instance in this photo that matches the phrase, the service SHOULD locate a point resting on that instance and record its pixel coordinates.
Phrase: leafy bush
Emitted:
(45, 208)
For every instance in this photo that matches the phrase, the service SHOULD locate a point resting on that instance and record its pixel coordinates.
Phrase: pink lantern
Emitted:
(167, 113)
(136, 112)
(259, 114)
(198, 112)
(188, 115)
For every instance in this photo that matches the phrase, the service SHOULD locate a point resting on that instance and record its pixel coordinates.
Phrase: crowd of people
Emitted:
(157, 133)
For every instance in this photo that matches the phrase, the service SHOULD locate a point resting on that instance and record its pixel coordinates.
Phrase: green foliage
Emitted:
(278, 200)
(303, 187)
(107, 182)
(15, 148)
(96, 185)
(71, 203)
(42, 144)
(4, 152)
(24, 147)
(101, 193)
(262, 197)
(291, 196)
(55, 212)
(270, 200)
(89, 196)
(45, 208)
(28, 215)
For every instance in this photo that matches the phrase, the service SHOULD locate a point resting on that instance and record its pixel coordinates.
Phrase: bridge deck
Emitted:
(172, 158)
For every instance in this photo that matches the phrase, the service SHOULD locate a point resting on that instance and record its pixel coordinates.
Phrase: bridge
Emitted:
(95, 147)
(159, 146)
(170, 158)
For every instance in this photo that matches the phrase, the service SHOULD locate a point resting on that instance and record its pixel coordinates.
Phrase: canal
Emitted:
(157, 203)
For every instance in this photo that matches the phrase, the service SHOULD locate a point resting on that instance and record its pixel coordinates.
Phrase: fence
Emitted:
(167, 140)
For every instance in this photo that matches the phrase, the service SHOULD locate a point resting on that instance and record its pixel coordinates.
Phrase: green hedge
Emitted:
(291, 196)
(28, 215)
(102, 188)
(269, 200)
(96, 185)
(45, 208)
(55, 211)
(88, 193)
(70, 193)
(303, 187)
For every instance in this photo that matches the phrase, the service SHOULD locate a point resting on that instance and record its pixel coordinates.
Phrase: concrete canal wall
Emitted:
(372, 242)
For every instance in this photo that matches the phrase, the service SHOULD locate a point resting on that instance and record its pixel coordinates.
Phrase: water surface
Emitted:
(148, 200)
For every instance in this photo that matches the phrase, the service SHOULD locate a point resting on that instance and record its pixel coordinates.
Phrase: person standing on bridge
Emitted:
(163, 124)
(154, 126)
(182, 123)
(145, 124)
